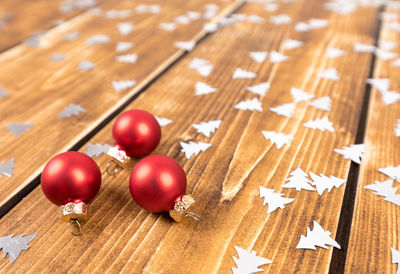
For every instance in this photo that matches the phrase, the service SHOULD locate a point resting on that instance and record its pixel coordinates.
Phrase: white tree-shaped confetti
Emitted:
(210, 27)
(248, 262)
(323, 103)
(6, 168)
(284, 110)
(97, 39)
(330, 74)
(316, 237)
(251, 104)
(97, 149)
(390, 97)
(276, 57)
(273, 199)
(182, 19)
(123, 46)
(128, 58)
(281, 19)
(298, 180)
(385, 55)
(168, 26)
(192, 148)
(387, 45)
(258, 56)
(125, 28)
(185, 45)
(203, 67)
(334, 53)
(72, 36)
(396, 63)
(386, 190)
(381, 84)
(279, 139)
(203, 88)
(259, 89)
(292, 44)
(85, 65)
(71, 110)
(301, 27)
(163, 121)
(57, 57)
(3, 92)
(13, 246)
(243, 74)
(18, 128)
(316, 23)
(321, 124)
(322, 182)
(300, 95)
(397, 129)
(123, 85)
(353, 152)
(396, 259)
(360, 47)
(206, 128)
(392, 172)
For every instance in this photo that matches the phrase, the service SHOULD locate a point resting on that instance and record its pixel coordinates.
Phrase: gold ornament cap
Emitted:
(77, 211)
(118, 156)
(181, 209)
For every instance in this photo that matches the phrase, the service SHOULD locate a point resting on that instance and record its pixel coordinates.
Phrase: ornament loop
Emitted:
(193, 216)
(74, 221)
(112, 168)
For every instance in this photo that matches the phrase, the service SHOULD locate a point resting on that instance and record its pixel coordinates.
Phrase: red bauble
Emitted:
(136, 132)
(157, 182)
(71, 177)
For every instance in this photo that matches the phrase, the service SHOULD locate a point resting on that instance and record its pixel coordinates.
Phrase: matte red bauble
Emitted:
(136, 133)
(71, 180)
(158, 184)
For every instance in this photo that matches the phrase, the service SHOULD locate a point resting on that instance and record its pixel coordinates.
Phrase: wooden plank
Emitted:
(37, 96)
(19, 19)
(120, 237)
(376, 223)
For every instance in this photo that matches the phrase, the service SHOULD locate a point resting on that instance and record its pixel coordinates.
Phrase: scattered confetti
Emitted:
(118, 14)
(279, 139)
(386, 190)
(330, 74)
(71, 110)
(248, 262)
(3, 92)
(259, 56)
(284, 110)
(163, 121)
(259, 89)
(396, 63)
(321, 124)
(124, 46)
(185, 45)
(322, 182)
(276, 57)
(125, 28)
(85, 65)
(387, 45)
(97, 39)
(154, 9)
(381, 84)
(203, 67)
(359, 47)
(334, 53)
(273, 199)
(282, 19)
(13, 246)
(316, 237)
(192, 148)
(97, 149)
(206, 128)
(123, 85)
(271, 7)
(300, 95)
(57, 57)
(301, 27)
(385, 55)
(202, 88)
(6, 168)
(397, 129)
(396, 259)
(168, 26)
(182, 19)
(128, 58)
(323, 103)
(18, 128)
(34, 40)
(392, 172)
(193, 15)
(210, 27)
(253, 104)
(298, 180)
(243, 74)
(72, 36)
(292, 44)
(353, 152)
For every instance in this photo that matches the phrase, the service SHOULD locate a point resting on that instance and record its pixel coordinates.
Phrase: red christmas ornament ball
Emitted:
(71, 177)
(157, 182)
(136, 132)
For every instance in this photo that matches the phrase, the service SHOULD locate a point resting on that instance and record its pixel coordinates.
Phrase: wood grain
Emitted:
(376, 222)
(37, 96)
(120, 237)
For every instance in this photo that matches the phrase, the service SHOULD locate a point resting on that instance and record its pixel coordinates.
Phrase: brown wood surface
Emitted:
(40, 89)
(376, 223)
(120, 236)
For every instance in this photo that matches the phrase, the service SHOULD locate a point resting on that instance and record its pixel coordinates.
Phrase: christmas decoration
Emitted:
(298, 180)
(124, 46)
(98, 39)
(396, 259)
(167, 26)
(18, 128)
(97, 149)
(273, 199)
(182, 19)
(321, 124)
(185, 45)
(136, 133)
(163, 121)
(251, 104)
(202, 88)
(210, 27)
(260, 89)
(123, 85)
(279, 139)
(57, 57)
(301, 27)
(72, 36)
(203, 67)
(71, 180)
(85, 65)
(125, 28)
(192, 148)
(334, 53)
(71, 110)
(381, 84)
(316, 237)
(385, 55)
(353, 152)
(284, 110)
(258, 56)
(243, 74)
(207, 128)
(128, 58)
(292, 44)
(6, 168)
(299, 95)
(248, 262)
(276, 57)
(392, 172)
(281, 19)
(323, 103)
(323, 182)
(330, 74)
(158, 184)
(387, 190)
(13, 246)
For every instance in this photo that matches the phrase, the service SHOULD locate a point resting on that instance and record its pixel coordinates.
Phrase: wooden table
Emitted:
(43, 44)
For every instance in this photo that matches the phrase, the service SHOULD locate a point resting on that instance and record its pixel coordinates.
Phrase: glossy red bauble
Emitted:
(157, 182)
(136, 132)
(71, 177)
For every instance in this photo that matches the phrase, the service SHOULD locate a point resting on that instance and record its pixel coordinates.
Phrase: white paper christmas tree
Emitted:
(210, 27)
(323, 103)
(381, 84)
(185, 45)
(253, 104)
(298, 180)
(258, 56)
(123, 85)
(259, 89)
(281, 19)
(85, 65)
(6, 168)
(397, 129)
(316, 23)
(18, 128)
(330, 74)
(386, 190)
(273, 199)
(276, 57)
(13, 246)
(387, 45)
(334, 53)
(322, 182)
(3, 92)
(71, 110)
(279, 139)
(389, 97)
(396, 259)
(125, 28)
(301, 27)
(123, 46)
(385, 55)
(321, 124)
(168, 26)
(353, 152)
(300, 95)
(248, 262)
(202, 88)
(128, 58)
(243, 74)
(182, 19)
(360, 47)
(292, 44)
(97, 149)
(192, 148)
(392, 172)
(271, 7)
(98, 39)
(206, 128)
(163, 121)
(316, 237)
(193, 15)
(203, 67)
(284, 110)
